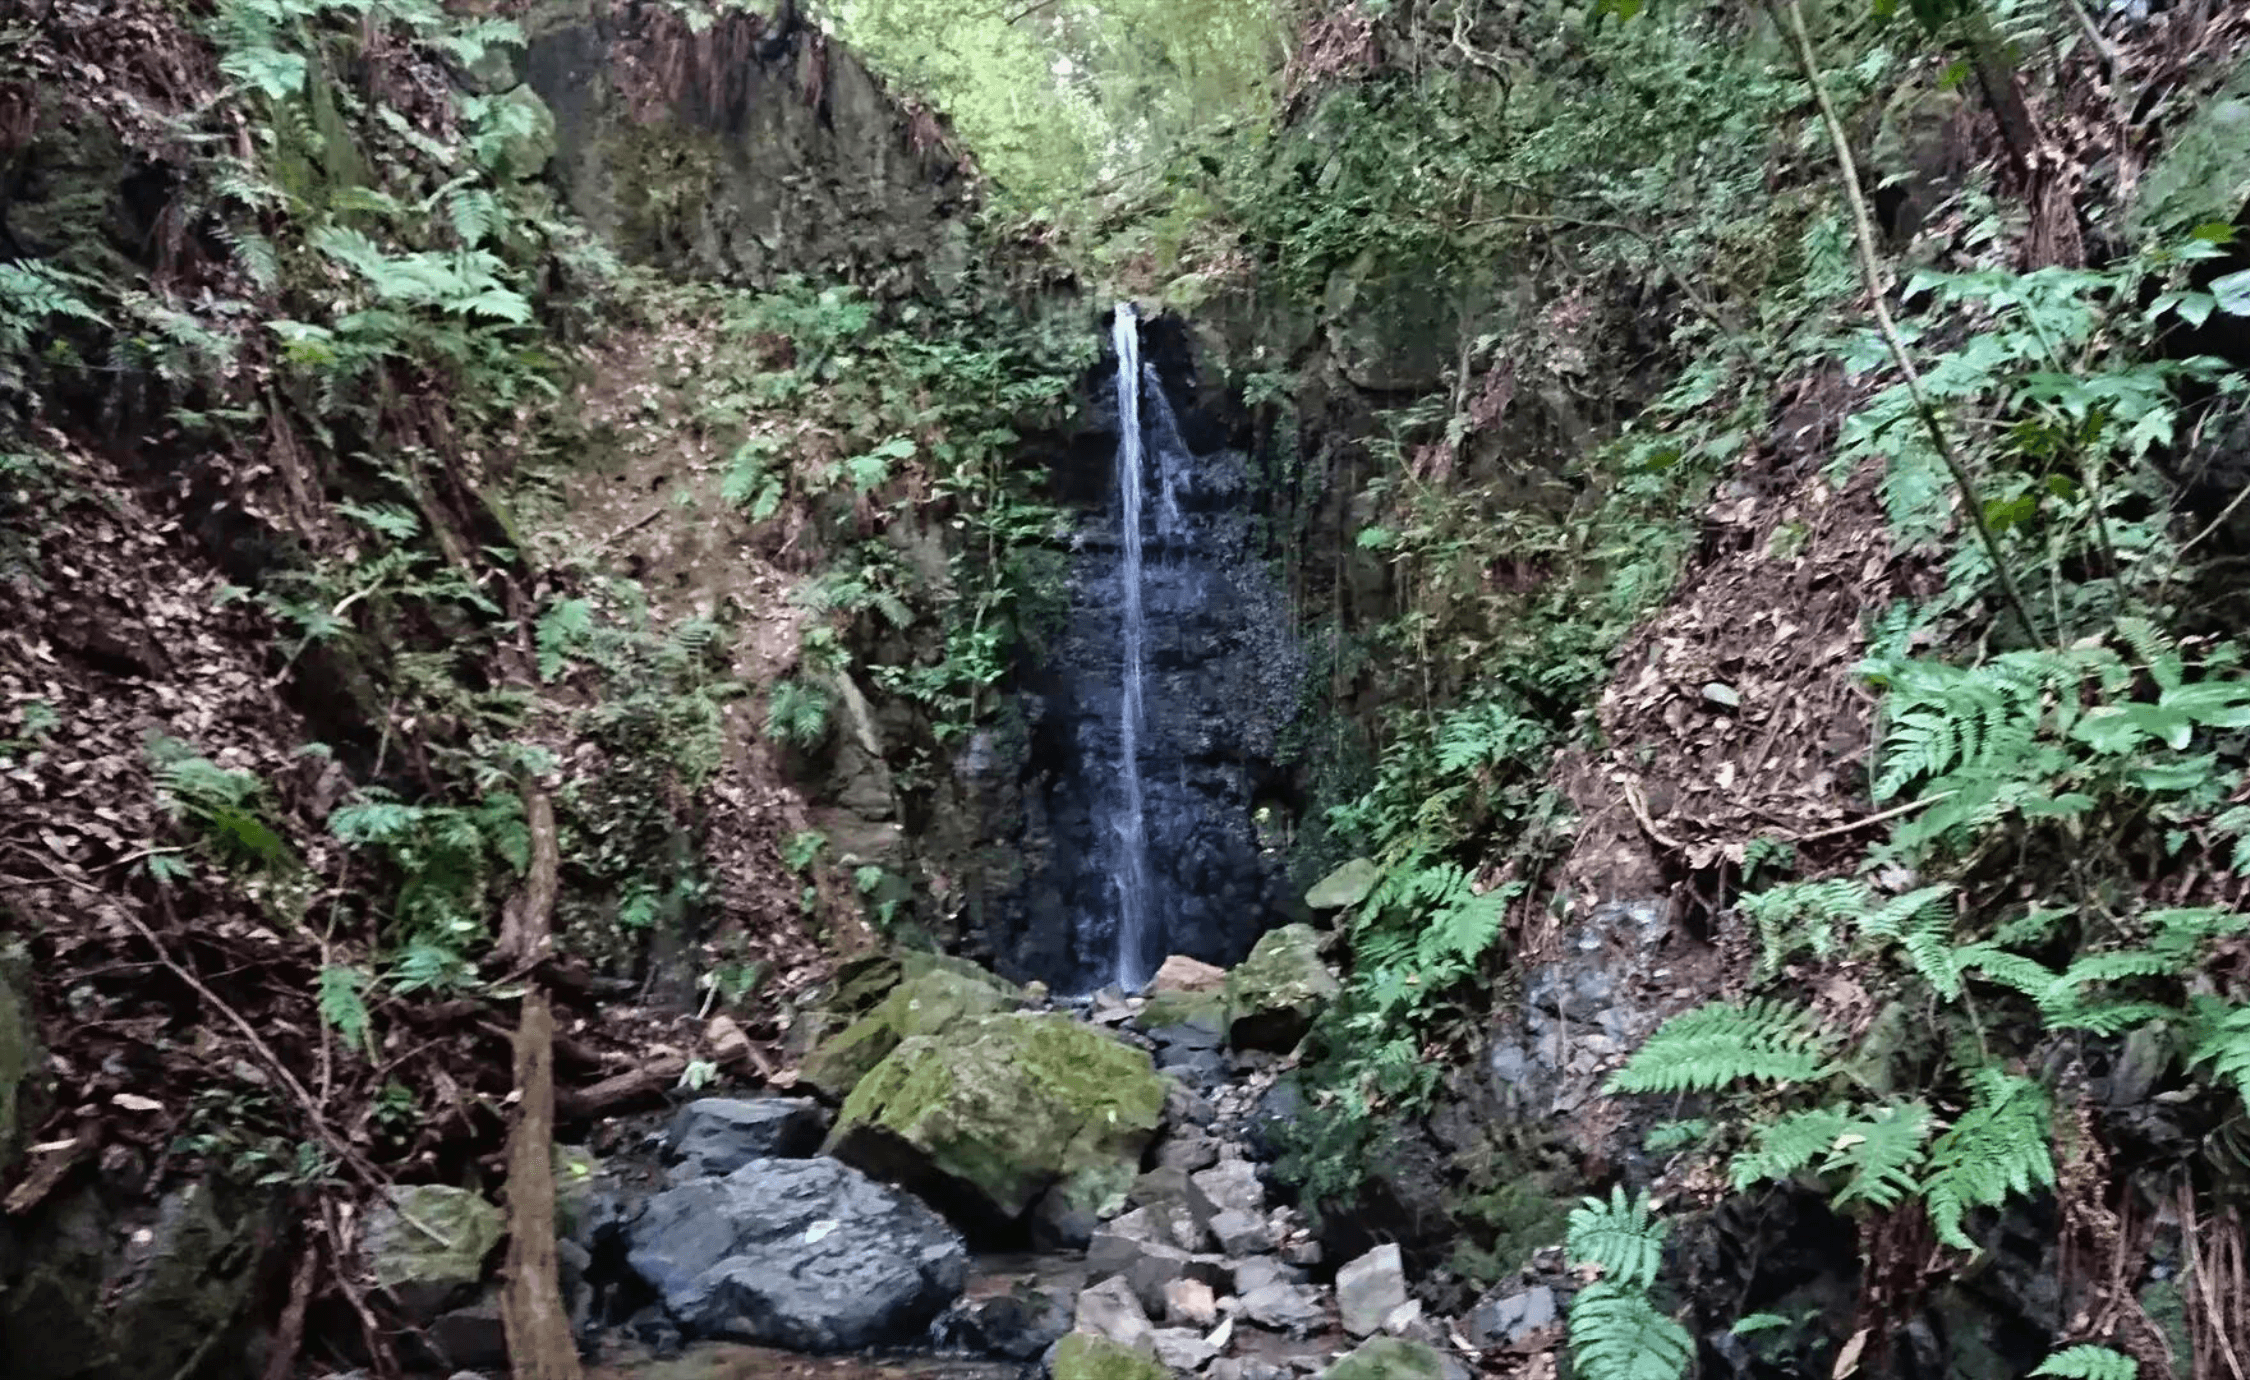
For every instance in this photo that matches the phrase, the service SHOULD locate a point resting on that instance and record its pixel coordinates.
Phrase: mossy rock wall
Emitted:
(744, 154)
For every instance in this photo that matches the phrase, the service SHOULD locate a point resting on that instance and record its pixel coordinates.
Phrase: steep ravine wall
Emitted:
(745, 152)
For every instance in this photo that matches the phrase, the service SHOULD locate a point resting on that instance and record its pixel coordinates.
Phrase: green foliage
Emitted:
(1617, 1334)
(797, 713)
(1621, 1236)
(227, 809)
(450, 862)
(803, 847)
(2089, 1363)
(2045, 736)
(1720, 1043)
(1876, 1150)
(1997, 1147)
(343, 1005)
(2221, 1036)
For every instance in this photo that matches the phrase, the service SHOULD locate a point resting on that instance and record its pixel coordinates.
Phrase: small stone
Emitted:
(1242, 1233)
(1181, 1348)
(1264, 1370)
(1369, 1288)
(1228, 1184)
(1287, 1308)
(1389, 1358)
(1305, 1252)
(1190, 1301)
(1222, 1336)
(1184, 1106)
(726, 1038)
(1403, 1319)
(1110, 1309)
(1035, 992)
(1183, 974)
(1345, 887)
(1257, 1272)
(1511, 1318)
(1187, 1151)
(1225, 1368)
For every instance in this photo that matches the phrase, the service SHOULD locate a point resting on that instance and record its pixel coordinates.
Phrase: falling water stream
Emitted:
(1129, 822)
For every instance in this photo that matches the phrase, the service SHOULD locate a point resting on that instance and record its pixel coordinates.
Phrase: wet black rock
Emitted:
(807, 1254)
(1016, 1326)
(718, 1135)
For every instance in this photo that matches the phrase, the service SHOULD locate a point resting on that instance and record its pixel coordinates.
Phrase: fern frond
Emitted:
(1923, 926)
(1880, 1151)
(1787, 1145)
(1617, 1334)
(2222, 1040)
(1999, 1146)
(2089, 1363)
(2111, 1018)
(343, 1007)
(1718, 1043)
(1622, 1236)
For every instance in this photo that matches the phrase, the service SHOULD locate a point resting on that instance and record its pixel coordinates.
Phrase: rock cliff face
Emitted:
(745, 151)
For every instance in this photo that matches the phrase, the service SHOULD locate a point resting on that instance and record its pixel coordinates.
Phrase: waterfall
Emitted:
(1129, 822)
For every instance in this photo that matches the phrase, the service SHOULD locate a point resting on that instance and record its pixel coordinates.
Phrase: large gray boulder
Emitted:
(718, 1135)
(806, 1254)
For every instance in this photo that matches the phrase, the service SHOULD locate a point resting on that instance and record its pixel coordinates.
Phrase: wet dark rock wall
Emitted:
(1221, 683)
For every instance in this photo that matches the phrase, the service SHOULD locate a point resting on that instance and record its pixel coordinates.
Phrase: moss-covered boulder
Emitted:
(1084, 1356)
(1393, 1358)
(1345, 887)
(1275, 993)
(989, 1114)
(426, 1245)
(922, 1003)
(1202, 1010)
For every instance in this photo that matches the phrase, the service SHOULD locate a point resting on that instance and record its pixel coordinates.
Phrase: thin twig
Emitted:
(1863, 233)
(1909, 808)
(336, 1144)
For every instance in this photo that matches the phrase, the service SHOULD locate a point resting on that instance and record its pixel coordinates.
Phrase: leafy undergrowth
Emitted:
(324, 602)
(1901, 689)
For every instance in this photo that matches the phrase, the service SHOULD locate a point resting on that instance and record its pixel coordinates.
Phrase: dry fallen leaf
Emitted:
(1847, 1360)
(133, 1102)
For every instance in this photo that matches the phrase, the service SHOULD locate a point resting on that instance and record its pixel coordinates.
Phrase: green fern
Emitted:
(1998, 1147)
(2089, 1363)
(1617, 1334)
(1877, 1151)
(1923, 926)
(797, 713)
(1622, 1236)
(561, 633)
(1717, 1044)
(343, 1006)
(2221, 1039)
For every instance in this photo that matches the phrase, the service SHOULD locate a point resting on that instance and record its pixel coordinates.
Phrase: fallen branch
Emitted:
(289, 1337)
(532, 1312)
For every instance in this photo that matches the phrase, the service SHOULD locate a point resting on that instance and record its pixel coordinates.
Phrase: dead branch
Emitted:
(537, 1323)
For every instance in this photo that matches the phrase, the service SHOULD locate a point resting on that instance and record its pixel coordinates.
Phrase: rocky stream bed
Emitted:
(968, 1179)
